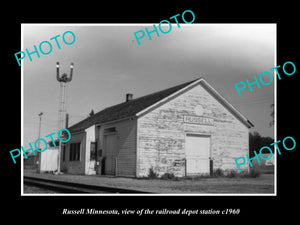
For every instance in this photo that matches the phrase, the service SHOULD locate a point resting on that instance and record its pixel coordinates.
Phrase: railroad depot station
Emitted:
(189, 129)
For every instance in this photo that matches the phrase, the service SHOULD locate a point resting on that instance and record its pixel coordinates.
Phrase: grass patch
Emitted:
(218, 173)
(168, 176)
(254, 173)
(152, 174)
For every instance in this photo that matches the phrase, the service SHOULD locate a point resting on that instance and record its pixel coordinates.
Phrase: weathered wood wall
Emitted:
(161, 134)
(126, 146)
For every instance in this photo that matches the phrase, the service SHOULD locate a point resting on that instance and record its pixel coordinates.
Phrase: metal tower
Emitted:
(63, 80)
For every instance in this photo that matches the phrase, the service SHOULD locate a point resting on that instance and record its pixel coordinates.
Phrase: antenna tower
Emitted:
(63, 80)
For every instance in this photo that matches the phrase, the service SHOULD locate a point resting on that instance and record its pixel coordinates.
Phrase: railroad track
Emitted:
(70, 187)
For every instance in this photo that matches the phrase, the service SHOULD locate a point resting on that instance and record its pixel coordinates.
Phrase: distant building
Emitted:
(189, 129)
(30, 161)
(47, 160)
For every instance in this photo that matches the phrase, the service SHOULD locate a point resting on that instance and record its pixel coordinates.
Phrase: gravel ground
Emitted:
(262, 184)
(36, 190)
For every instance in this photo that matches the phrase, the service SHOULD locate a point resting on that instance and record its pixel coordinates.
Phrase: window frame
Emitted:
(74, 152)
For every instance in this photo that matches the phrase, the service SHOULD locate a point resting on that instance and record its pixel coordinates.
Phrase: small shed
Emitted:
(47, 160)
(187, 130)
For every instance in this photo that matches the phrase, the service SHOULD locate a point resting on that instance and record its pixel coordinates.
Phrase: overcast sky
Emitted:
(108, 63)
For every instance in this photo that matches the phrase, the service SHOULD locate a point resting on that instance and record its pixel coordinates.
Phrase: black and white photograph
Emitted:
(159, 117)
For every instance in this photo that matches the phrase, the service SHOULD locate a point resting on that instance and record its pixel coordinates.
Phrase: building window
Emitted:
(74, 152)
(109, 130)
(93, 151)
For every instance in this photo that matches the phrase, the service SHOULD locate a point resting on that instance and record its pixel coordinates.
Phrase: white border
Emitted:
(165, 194)
(22, 114)
(275, 116)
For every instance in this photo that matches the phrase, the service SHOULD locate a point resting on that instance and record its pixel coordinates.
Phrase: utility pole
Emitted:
(63, 145)
(40, 126)
(63, 80)
(67, 121)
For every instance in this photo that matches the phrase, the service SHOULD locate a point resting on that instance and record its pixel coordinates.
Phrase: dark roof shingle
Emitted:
(126, 109)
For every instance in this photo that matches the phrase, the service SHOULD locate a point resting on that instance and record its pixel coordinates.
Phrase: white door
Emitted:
(197, 149)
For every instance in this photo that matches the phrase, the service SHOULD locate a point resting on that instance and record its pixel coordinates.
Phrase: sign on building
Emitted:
(198, 120)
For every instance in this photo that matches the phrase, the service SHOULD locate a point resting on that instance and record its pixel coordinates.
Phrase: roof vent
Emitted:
(129, 97)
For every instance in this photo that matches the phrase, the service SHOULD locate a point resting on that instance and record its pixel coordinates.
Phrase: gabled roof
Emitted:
(142, 105)
(126, 109)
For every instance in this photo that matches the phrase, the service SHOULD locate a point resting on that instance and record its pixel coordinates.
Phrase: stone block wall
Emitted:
(161, 134)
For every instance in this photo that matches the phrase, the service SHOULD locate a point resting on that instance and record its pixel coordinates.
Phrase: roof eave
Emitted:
(115, 121)
(230, 107)
(211, 90)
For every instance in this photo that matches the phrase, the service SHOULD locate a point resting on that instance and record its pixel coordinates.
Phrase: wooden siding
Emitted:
(75, 167)
(126, 146)
(161, 134)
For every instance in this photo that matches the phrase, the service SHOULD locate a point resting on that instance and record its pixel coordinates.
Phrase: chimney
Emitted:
(92, 113)
(129, 97)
